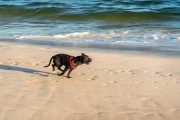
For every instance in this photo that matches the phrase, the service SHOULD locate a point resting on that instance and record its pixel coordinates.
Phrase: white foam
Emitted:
(155, 37)
(74, 35)
(32, 36)
(110, 34)
(178, 38)
(125, 42)
(147, 42)
(69, 35)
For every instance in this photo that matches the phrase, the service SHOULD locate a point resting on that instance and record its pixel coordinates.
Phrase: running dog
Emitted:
(70, 62)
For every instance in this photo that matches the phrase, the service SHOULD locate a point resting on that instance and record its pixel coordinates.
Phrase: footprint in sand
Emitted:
(163, 74)
(133, 71)
(37, 63)
(108, 70)
(176, 82)
(157, 73)
(114, 73)
(153, 82)
(79, 83)
(92, 78)
(81, 74)
(148, 102)
(175, 111)
(93, 69)
(131, 86)
(113, 82)
(31, 79)
(53, 79)
(79, 116)
(105, 84)
(44, 62)
(15, 62)
(109, 83)
(27, 79)
(169, 74)
(1, 77)
(120, 71)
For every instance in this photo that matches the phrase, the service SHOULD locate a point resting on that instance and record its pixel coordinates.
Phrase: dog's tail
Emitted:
(49, 62)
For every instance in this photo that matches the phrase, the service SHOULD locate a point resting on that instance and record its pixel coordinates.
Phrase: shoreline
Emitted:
(157, 53)
(116, 85)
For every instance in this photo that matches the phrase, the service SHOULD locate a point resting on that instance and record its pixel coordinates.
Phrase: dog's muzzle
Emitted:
(88, 61)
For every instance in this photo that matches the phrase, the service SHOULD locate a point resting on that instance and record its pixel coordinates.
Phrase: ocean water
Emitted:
(144, 26)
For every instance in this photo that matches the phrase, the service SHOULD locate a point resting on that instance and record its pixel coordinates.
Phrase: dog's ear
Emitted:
(82, 54)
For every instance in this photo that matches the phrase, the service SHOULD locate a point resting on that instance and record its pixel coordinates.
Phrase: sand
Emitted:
(115, 86)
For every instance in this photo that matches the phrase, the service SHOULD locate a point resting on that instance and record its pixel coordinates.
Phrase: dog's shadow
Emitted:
(26, 70)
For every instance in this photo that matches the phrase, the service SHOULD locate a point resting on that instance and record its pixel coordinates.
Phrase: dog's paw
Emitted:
(59, 74)
(69, 77)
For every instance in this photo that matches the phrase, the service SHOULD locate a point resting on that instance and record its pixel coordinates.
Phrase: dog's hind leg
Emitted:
(60, 68)
(64, 71)
(53, 66)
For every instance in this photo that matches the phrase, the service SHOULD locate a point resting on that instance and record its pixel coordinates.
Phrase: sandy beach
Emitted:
(115, 86)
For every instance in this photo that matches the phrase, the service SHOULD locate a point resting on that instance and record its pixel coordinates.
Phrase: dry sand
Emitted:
(115, 86)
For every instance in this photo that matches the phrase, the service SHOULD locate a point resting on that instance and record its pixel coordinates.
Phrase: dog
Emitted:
(70, 62)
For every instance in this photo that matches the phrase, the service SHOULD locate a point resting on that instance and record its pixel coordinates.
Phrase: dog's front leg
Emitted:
(64, 71)
(70, 70)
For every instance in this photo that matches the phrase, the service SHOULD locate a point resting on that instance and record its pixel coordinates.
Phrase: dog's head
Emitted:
(86, 59)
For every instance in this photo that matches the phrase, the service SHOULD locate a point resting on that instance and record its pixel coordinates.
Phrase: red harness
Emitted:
(70, 62)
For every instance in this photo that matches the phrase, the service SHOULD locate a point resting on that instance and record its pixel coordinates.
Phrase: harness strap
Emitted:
(70, 62)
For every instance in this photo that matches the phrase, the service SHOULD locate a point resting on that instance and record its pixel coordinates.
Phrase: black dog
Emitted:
(68, 61)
